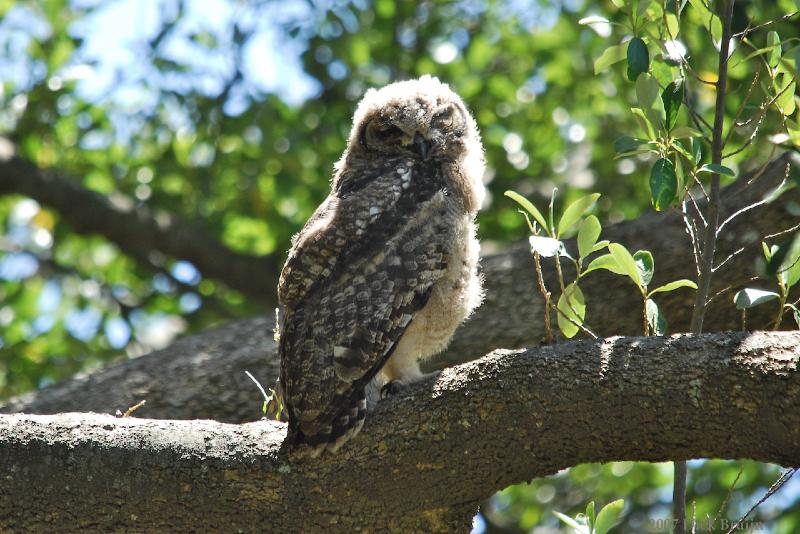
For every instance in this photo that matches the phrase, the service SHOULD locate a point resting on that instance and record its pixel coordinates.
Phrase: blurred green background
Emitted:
(230, 115)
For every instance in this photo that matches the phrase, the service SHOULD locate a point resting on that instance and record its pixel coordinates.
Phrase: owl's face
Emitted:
(417, 126)
(421, 119)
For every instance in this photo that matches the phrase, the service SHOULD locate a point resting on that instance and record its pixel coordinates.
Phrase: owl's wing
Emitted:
(350, 289)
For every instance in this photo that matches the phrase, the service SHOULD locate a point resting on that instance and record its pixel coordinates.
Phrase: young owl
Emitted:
(385, 270)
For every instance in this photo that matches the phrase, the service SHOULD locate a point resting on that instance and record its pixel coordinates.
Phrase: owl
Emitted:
(385, 269)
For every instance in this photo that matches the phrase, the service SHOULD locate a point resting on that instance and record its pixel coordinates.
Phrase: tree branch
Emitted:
(473, 429)
(138, 231)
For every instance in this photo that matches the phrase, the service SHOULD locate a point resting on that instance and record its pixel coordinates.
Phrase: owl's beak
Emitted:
(420, 145)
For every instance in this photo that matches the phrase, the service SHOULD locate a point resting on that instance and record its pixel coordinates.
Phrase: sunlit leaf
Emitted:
(574, 212)
(710, 20)
(774, 44)
(767, 252)
(785, 87)
(697, 150)
(607, 263)
(649, 100)
(645, 265)
(570, 522)
(588, 232)
(590, 515)
(747, 298)
(672, 286)
(593, 19)
(528, 206)
(673, 25)
(571, 310)
(655, 319)
(626, 262)
(644, 123)
(784, 261)
(685, 131)
(715, 167)
(546, 247)
(608, 516)
(611, 55)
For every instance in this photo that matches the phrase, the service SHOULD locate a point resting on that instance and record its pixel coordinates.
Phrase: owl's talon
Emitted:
(392, 388)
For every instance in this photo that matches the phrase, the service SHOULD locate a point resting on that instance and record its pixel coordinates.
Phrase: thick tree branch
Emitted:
(138, 231)
(476, 428)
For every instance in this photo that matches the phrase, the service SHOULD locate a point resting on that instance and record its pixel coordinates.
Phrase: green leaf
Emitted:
(592, 19)
(611, 55)
(626, 262)
(774, 43)
(784, 262)
(648, 96)
(546, 247)
(697, 150)
(655, 319)
(638, 58)
(590, 515)
(672, 98)
(711, 22)
(529, 207)
(785, 87)
(792, 272)
(588, 232)
(795, 313)
(550, 207)
(663, 184)
(600, 245)
(644, 123)
(568, 521)
(747, 298)
(682, 151)
(672, 286)
(605, 262)
(572, 305)
(767, 252)
(608, 516)
(680, 175)
(645, 265)
(715, 167)
(673, 25)
(626, 144)
(797, 50)
(685, 131)
(574, 212)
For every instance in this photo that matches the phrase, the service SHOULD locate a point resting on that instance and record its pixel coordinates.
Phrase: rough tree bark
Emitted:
(473, 429)
(202, 376)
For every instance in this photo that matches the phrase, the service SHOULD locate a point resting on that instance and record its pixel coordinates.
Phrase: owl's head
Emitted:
(419, 118)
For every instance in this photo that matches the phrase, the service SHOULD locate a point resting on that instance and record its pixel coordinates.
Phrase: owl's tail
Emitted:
(312, 438)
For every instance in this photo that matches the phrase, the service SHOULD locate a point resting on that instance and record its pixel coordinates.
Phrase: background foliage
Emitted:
(230, 114)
